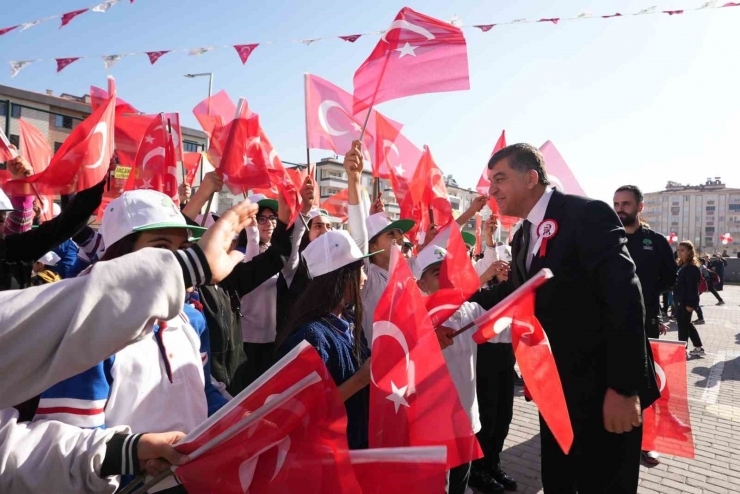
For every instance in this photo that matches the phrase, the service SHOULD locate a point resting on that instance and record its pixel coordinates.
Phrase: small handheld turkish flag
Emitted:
(420, 470)
(417, 54)
(191, 162)
(413, 401)
(667, 424)
(337, 205)
(287, 432)
(34, 146)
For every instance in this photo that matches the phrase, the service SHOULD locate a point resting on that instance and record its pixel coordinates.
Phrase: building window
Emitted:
(709, 229)
(63, 122)
(15, 111)
(190, 147)
(3, 109)
(710, 202)
(57, 145)
(15, 140)
(734, 207)
(710, 213)
(710, 208)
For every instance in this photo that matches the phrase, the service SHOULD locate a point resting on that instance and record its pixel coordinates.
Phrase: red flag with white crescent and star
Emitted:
(484, 186)
(82, 161)
(279, 177)
(286, 432)
(558, 172)
(666, 424)
(413, 401)
(417, 54)
(62, 63)
(66, 18)
(243, 163)
(245, 51)
(533, 354)
(337, 205)
(156, 55)
(34, 146)
(191, 162)
(155, 167)
(330, 123)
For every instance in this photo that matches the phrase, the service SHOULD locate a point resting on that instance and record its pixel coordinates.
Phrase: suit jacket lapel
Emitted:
(555, 211)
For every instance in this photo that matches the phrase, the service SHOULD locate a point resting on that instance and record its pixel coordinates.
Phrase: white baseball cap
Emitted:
(262, 201)
(317, 212)
(430, 256)
(5, 204)
(140, 211)
(331, 251)
(50, 259)
(380, 223)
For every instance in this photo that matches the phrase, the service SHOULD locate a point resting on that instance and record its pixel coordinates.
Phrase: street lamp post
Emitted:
(208, 141)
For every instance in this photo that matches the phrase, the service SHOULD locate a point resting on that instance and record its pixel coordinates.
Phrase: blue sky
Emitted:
(629, 100)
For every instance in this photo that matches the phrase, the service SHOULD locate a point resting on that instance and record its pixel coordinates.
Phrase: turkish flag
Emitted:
(214, 114)
(191, 162)
(279, 177)
(244, 51)
(6, 152)
(66, 18)
(155, 168)
(558, 172)
(47, 208)
(413, 401)
(484, 186)
(243, 163)
(330, 123)
(286, 432)
(417, 54)
(34, 146)
(82, 161)
(401, 160)
(337, 205)
(458, 280)
(666, 425)
(429, 188)
(420, 470)
(533, 354)
(386, 134)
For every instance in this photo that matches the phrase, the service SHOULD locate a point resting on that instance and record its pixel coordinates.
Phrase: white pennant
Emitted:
(29, 24)
(456, 21)
(708, 5)
(17, 66)
(649, 10)
(200, 51)
(308, 42)
(103, 7)
(584, 15)
(111, 60)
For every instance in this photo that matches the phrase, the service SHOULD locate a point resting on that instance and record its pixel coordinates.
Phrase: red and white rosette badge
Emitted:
(545, 231)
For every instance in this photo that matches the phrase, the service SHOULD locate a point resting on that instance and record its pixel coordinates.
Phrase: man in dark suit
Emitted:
(592, 311)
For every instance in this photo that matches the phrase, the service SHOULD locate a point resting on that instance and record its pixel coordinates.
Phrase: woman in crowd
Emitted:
(328, 315)
(686, 295)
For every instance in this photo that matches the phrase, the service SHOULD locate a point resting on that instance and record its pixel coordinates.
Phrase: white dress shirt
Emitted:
(536, 216)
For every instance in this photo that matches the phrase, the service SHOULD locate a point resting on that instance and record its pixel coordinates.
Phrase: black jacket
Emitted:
(592, 309)
(656, 268)
(31, 245)
(686, 291)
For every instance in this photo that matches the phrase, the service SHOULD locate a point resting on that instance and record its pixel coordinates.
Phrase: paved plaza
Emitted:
(714, 398)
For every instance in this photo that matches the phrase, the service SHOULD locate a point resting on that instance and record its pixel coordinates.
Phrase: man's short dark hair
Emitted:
(631, 188)
(522, 158)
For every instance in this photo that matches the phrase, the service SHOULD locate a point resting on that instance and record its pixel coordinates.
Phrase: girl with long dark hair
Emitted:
(328, 315)
(686, 295)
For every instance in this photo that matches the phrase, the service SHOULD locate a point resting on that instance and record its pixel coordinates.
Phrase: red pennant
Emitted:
(336, 205)
(667, 424)
(485, 27)
(554, 20)
(673, 12)
(413, 401)
(244, 51)
(71, 15)
(287, 432)
(63, 62)
(351, 38)
(417, 54)
(610, 16)
(7, 30)
(457, 277)
(731, 4)
(155, 55)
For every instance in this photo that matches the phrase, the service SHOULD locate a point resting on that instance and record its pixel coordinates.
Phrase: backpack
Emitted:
(715, 278)
(702, 285)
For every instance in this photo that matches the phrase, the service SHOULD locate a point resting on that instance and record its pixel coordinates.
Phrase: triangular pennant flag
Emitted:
(27, 25)
(63, 62)
(103, 7)
(351, 38)
(17, 66)
(708, 5)
(7, 30)
(649, 10)
(485, 27)
(200, 51)
(456, 21)
(244, 51)
(155, 55)
(583, 15)
(610, 16)
(111, 60)
(308, 42)
(554, 20)
(673, 12)
(731, 4)
(66, 18)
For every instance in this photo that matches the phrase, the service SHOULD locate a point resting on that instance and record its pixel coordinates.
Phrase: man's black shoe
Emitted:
(484, 482)
(504, 479)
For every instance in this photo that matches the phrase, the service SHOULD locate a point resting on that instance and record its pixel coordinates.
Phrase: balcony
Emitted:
(333, 182)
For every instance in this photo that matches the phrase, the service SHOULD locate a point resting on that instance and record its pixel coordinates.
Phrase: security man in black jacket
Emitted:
(652, 254)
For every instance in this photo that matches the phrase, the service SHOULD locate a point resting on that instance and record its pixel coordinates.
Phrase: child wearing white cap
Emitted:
(460, 354)
(41, 274)
(329, 316)
(162, 382)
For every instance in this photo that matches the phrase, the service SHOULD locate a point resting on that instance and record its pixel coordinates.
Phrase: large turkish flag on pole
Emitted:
(666, 425)
(413, 401)
(417, 54)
